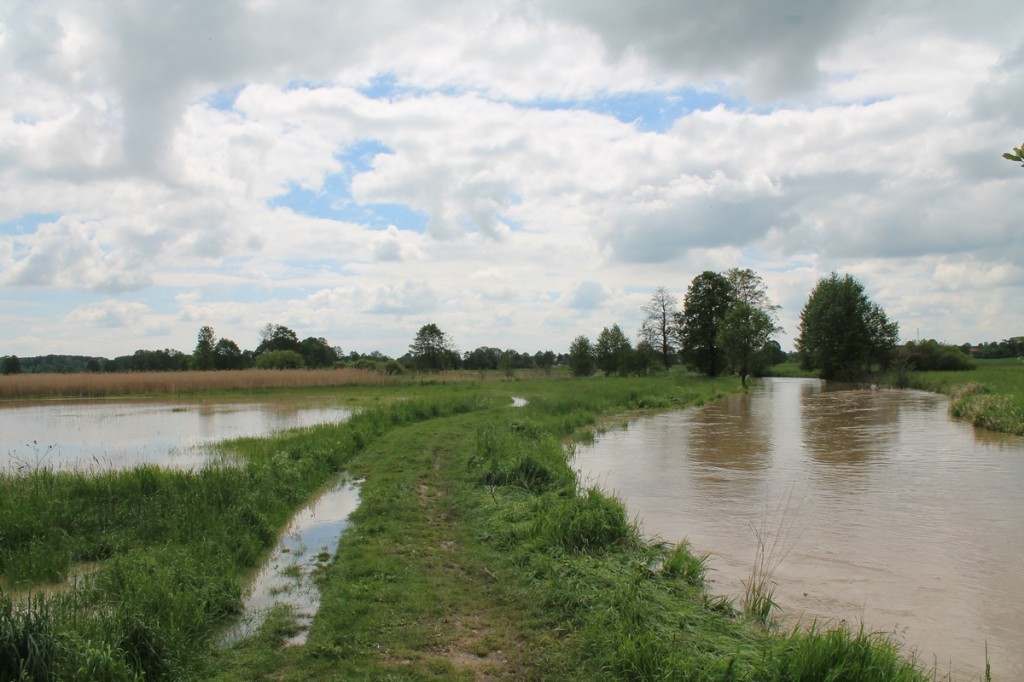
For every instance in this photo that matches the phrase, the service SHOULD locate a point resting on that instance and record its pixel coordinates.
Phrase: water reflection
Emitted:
(890, 512)
(103, 435)
(286, 578)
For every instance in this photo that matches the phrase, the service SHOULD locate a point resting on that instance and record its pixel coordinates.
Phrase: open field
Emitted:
(473, 555)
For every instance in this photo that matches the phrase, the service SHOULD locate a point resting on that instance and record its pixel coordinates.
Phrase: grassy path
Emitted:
(411, 594)
(472, 557)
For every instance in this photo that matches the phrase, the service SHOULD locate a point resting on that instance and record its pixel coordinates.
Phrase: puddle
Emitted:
(309, 541)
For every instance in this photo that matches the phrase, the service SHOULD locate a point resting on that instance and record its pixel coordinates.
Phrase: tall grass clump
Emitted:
(517, 454)
(978, 404)
(838, 654)
(591, 522)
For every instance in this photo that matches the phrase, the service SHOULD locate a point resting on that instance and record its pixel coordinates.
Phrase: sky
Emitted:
(518, 172)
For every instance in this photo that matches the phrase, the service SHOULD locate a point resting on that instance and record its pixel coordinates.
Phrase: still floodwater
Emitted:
(101, 435)
(887, 512)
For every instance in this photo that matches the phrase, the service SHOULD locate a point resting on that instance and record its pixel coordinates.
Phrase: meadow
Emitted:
(474, 553)
(990, 396)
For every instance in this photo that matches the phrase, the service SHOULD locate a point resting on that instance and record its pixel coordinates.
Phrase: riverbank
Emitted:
(989, 396)
(472, 556)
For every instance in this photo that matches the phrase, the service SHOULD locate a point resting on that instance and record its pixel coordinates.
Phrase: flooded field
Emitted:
(881, 510)
(99, 435)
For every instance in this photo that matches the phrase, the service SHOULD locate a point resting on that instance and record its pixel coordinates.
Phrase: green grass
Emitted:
(990, 396)
(473, 554)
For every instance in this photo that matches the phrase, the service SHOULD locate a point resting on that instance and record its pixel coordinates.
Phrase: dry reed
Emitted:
(21, 386)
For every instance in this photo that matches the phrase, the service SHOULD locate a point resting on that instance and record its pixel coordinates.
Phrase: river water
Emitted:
(877, 508)
(97, 435)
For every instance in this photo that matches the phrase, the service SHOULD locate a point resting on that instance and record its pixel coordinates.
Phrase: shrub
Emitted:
(280, 359)
(932, 356)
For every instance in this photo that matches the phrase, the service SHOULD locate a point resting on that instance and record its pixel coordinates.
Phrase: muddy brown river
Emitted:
(879, 509)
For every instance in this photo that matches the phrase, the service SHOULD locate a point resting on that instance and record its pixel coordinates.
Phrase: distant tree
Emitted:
(227, 355)
(771, 354)
(203, 358)
(432, 350)
(658, 326)
(278, 337)
(166, 360)
(10, 365)
(316, 352)
(707, 300)
(645, 357)
(544, 361)
(613, 351)
(748, 287)
(930, 355)
(484, 357)
(743, 333)
(842, 331)
(506, 363)
(279, 359)
(748, 324)
(1016, 155)
(581, 357)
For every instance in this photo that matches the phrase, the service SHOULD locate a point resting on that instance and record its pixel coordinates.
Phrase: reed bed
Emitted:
(24, 386)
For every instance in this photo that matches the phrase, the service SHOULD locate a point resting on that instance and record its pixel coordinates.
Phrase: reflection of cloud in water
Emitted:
(310, 540)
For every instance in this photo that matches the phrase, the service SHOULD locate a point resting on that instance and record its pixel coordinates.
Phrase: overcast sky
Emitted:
(517, 172)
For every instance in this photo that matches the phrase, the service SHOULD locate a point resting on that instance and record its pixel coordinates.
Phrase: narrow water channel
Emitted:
(287, 577)
(881, 510)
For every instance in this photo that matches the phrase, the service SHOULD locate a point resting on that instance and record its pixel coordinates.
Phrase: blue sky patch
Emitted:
(223, 99)
(27, 223)
(650, 111)
(333, 201)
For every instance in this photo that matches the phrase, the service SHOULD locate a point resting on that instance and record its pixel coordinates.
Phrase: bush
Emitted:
(280, 359)
(932, 356)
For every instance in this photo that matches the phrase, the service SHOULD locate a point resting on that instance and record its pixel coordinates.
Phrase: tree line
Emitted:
(725, 324)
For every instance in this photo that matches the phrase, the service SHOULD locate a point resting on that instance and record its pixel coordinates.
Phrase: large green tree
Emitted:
(316, 352)
(707, 300)
(842, 332)
(658, 325)
(613, 351)
(432, 350)
(742, 335)
(748, 324)
(10, 365)
(203, 357)
(227, 355)
(278, 337)
(581, 357)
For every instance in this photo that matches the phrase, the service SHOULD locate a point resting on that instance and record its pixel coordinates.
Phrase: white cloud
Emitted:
(166, 141)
